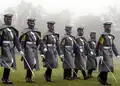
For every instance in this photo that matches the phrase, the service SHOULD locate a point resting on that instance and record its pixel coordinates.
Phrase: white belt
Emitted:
(49, 45)
(31, 42)
(80, 46)
(68, 46)
(7, 42)
(105, 47)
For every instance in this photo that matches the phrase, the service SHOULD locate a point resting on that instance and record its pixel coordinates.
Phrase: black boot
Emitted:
(65, 74)
(75, 74)
(70, 74)
(84, 75)
(7, 81)
(89, 74)
(31, 81)
(29, 76)
(5, 78)
(48, 75)
(101, 78)
(105, 79)
(27, 79)
(107, 84)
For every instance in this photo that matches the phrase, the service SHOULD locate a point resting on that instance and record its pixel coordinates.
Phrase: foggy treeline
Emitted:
(90, 22)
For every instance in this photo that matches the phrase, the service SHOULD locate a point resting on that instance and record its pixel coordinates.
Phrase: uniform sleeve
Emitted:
(89, 43)
(76, 46)
(17, 43)
(62, 45)
(86, 46)
(22, 40)
(115, 49)
(42, 46)
(1, 37)
(58, 46)
(45, 39)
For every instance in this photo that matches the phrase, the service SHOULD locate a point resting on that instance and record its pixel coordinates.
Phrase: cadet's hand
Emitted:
(43, 58)
(101, 59)
(91, 53)
(21, 53)
(62, 57)
(22, 59)
(118, 56)
(45, 49)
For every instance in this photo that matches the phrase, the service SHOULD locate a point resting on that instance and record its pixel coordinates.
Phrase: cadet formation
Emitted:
(76, 53)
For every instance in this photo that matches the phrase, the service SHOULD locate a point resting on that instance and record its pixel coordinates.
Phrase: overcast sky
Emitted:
(79, 7)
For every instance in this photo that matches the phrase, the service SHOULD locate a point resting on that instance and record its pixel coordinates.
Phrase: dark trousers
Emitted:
(90, 72)
(6, 74)
(28, 74)
(103, 76)
(67, 73)
(76, 71)
(48, 74)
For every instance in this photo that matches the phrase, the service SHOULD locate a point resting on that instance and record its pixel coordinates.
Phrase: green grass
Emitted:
(18, 77)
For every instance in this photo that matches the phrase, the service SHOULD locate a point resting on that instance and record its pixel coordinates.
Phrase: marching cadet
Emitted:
(105, 49)
(67, 46)
(80, 54)
(91, 60)
(30, 41)
(8, 41)
(51, 39)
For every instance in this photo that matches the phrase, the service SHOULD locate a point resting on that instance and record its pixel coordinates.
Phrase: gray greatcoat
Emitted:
(81, 52)
(91, 60)
(105, 48)
(51, 40)
(30, 41)
(67, 47)
(8, 41)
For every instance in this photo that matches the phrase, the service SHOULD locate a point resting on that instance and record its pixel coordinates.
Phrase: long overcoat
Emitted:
(8, 41)
(51, 40)
(30, 41)
(67, 46)
(105, 48)
(91, 60)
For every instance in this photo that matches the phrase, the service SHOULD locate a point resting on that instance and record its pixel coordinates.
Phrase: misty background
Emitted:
(90, 21)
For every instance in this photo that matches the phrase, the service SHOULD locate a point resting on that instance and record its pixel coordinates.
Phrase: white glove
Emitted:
(118, 56)
(45, 49)
(101, 59)
(62, 56)
(21, 53)
(42, 56)
(91, 53)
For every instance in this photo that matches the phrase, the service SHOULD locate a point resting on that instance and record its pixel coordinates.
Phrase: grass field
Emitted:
(18, 77)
